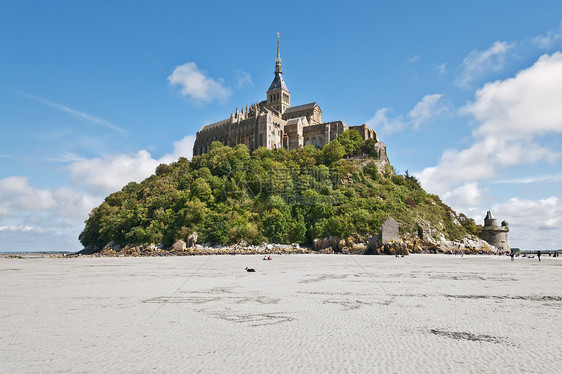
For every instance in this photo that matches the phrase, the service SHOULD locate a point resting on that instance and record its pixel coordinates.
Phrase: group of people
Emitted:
(512, 255)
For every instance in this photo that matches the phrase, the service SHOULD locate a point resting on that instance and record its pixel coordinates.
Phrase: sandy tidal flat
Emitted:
(297, 313)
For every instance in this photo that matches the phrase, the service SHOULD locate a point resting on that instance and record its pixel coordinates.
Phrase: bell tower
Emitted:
(278, 95)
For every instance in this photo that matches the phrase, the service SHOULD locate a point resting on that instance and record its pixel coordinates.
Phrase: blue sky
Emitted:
(473, 106)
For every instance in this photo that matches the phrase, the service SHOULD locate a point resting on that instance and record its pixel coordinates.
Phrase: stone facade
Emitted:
(390, 231)
(274, 123)
(494, 234)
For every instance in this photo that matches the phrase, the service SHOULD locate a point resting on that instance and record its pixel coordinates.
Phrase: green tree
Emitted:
(350, 140)
(200, 189)
(332, 152)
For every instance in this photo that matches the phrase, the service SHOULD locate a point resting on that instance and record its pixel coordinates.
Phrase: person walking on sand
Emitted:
(539, 255)
(512, 254)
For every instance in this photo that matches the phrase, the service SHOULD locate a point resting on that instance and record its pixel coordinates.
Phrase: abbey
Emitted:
(274, 123)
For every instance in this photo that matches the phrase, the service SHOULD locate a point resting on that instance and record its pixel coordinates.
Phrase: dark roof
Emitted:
(489, 215)
(278, 82)
(301, 107)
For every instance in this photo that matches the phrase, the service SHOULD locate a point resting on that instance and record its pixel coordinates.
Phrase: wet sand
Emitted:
(297, 313)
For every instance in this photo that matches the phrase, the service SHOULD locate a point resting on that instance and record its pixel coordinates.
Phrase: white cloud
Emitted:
(104, 175)
(16, 228)
(31, 216)
(182, 148)
(526, 105)
(243, 79)
(429, 107)
(426, 109)
(531, 180)
(534, 224)
(478, 63)
(65, 157)
(110, 174)
(197, 84)
(77, 114)
(511, 114)
(17, 196)
(464, 197)
(388, 125)
(34, 219)
(547, 40)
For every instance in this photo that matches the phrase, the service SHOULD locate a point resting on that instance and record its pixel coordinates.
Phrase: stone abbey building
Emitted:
(274, 123)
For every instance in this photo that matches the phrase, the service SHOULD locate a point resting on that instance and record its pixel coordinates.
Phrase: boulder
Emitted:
(373, 242)
(320, 244)
(180, 245)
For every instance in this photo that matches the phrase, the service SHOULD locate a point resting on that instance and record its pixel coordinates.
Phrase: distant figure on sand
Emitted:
(512, 254)
(539, 255)
(250, 270)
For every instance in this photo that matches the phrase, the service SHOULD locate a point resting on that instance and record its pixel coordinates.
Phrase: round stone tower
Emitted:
(494, 234)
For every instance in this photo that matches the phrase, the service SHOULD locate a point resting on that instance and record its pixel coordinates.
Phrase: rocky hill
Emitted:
(330, 199)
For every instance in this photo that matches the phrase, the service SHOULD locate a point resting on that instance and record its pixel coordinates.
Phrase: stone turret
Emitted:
(494, 234)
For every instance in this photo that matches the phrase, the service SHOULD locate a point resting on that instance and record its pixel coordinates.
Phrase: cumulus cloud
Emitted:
(103, 175)
(528, 104)
(109, 174)
(535, 224)
(464, 197)
(511, 114)
(17, 196)
(31, 216)
(478, 63)
(196, 84)
(429, 107)
(182, 148)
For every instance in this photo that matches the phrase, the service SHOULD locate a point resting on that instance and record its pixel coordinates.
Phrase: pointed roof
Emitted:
(489, 215)
(278, 81)
(278, 60)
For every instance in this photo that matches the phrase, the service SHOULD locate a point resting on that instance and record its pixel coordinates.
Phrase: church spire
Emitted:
(278, 61)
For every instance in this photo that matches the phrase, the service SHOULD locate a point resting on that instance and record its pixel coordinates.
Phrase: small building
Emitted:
(495, 234)
(390, 231)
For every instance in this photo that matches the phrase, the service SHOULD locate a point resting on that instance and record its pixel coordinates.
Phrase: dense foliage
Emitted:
(229, 195)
